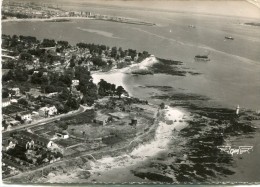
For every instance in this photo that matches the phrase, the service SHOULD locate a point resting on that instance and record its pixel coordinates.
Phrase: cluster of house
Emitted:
(26, 116)
(32, 11)
(30, 140)
(28, 143)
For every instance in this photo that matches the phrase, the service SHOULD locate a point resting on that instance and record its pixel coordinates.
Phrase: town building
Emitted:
(9, 144)
(14, 123)
(61, 135)
(13, 101)
(45, 74)
(48, 111)
(75, 82)
(25, 116)
(15, 91)
(29, 140)
(53, 94)
(133, 122)
(101, 119)
(6, 102)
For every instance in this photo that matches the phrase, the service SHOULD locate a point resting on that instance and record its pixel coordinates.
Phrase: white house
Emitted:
(13, 101)
(6, 102)
(16, 91)
(52, 110)
(53, 94)
(26, 116)
(61, 135)
(11, 145)
(75, 82)
(43, 111)
(47, 111)
(30, 140)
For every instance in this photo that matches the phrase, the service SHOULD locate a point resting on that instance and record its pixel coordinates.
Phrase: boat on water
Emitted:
(192, 26)
(229, 38)
(202, 58)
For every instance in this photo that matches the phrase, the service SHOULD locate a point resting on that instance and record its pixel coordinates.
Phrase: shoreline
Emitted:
(117, 76)
(106, 168)
(68, 19)
(46, 19)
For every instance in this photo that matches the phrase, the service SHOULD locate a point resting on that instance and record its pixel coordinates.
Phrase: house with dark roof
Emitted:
(25, 116)
(28, 140)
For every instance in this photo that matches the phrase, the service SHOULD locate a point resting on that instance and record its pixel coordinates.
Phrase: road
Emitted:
(7, 56)
(48, 120)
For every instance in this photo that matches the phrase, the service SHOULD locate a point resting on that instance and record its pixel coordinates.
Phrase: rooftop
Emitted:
(120, 115)
(28, 136)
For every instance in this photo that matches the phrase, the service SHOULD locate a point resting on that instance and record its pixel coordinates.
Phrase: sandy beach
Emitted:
(117, 76)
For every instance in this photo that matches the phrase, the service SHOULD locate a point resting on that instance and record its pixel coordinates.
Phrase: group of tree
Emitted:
(25, 56)
(93, 48)
(5, 93)
(48, 43)
(19, 75)
(17, 15)
(108, 89)
(86, 86)
(9, 64)
(28, 39)
(38, 78)
(97, 61)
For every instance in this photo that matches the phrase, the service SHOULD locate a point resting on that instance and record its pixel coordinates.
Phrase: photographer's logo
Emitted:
(239, 151)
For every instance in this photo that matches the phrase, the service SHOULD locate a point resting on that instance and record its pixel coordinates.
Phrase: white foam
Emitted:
(163, 136)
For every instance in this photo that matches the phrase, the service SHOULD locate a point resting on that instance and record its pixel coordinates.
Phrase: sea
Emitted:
(230, 78)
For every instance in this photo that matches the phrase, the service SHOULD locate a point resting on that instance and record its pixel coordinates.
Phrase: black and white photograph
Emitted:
(130, 92)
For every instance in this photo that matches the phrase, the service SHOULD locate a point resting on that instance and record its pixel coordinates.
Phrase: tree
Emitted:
(72, 103)
(60, 107)
(63, 126)
(66, 79)
(20, 75)
(72, 63)
(113, 52)
(97, 61)
(65, 94)
(5, 93)
(162, 105)
(26, 56)
(23, 101)
(87, 99)
(48, 43)
(64, 44)
(8, 65)
(8, 76)
(113, 88)
(50, 89)
(119, 91)
(36, 78)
